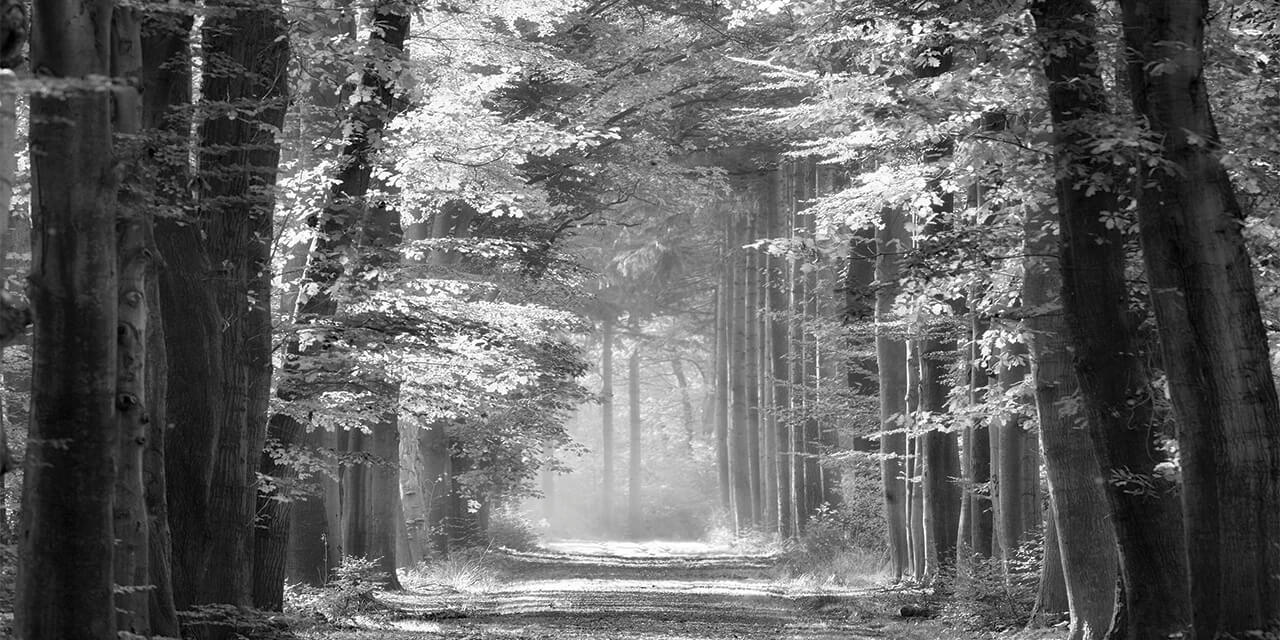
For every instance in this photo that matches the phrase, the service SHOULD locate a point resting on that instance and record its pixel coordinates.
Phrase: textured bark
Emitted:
(1211, 332)
(237, 160)
(166, 81)
(65, 577)
(607, 490)
(1117, 395)
(271, 532)
(1051, 594)
(891, 358)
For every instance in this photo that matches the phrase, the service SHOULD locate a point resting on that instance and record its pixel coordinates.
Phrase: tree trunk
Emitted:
(941, 462)
(65, 577)
(722, 391)
(1117, 394)
(1008, 466)
(1051, 595)
(606, 421)
(686, 402)
(384, 494)
(1077, 498)
(166, 97)
(1211, 330)
(634, 470)
(437, 481)
(739, 440)
(891, 359)
(135, 255)
(275, 507)
(751, 359)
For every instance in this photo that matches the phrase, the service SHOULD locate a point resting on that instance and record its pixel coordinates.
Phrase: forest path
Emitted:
(629, 591)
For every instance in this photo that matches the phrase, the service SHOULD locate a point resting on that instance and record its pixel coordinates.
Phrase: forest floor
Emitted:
(637, 591)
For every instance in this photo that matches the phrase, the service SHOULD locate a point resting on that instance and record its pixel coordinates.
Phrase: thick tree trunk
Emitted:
(166, 96)
(1078, 502)
(1015, 514)
(606, 423)
(414, 505)
(1113, 382)
(891, 358)
(1211, 331)
(275, 507)
(941, 462)
(135, 255)
(1051, 595)
(384, 494)
(437, 484)
(65, 578)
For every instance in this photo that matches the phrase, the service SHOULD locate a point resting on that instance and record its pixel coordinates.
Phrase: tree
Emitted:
(65, 576)
(1211, 333)
(1117, 397)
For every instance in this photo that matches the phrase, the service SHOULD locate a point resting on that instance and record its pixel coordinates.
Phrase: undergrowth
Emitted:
(348, 594)
(470, 571)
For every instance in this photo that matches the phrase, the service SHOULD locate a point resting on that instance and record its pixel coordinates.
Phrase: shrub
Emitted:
(465, 571)
(348, 594)
(509, 529)
(986, 597)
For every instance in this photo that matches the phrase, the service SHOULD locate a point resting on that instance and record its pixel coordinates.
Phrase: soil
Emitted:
(650, 591)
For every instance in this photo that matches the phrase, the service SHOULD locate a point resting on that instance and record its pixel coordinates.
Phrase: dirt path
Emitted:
(599, 591)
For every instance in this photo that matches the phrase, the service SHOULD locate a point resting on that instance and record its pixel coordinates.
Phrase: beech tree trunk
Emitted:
(1114, 385)
(891, 359)
(1077, 497)
(1211, 331)
(65, 577)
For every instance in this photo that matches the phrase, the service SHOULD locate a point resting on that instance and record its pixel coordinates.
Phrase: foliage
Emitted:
(990, 596)
(512, 529)
(349, 593)
(840, 546)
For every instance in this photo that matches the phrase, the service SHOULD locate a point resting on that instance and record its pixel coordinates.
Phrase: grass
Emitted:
(473, 572)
